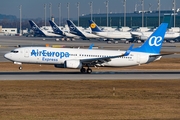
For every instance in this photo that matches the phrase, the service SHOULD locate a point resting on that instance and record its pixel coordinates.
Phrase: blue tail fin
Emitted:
(55, 28)
(94, 27)
(74, 30)
(35, 28)
(154, 43)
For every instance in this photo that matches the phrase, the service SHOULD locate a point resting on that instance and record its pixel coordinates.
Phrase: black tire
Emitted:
(20, 67)
(83, 70)
(89, 70)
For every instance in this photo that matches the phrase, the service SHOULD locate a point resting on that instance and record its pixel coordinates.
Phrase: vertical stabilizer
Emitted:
(154, 43)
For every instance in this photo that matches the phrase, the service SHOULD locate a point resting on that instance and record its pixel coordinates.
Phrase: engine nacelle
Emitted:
(73, 64)
(143, 37)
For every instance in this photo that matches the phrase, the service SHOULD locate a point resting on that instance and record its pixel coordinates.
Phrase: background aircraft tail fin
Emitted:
(55, 28)
(33, 25)
(74, 30)
(94, 27)
(35, 28)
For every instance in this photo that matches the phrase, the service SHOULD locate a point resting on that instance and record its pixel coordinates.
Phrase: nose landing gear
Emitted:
(20, 67)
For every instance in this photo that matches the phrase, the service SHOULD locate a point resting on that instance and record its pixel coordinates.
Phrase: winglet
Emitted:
(129, 50)
(91, 46)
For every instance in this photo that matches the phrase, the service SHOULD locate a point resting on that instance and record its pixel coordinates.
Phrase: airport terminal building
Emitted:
(150, 19)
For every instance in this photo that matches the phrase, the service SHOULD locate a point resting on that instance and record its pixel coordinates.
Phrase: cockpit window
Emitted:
(14, 51)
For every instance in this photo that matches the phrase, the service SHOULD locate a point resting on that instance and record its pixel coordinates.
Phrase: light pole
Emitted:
(68, 10)
(50, 10)
(135, 8)
(150, 5)
(91, 8)
(59, 8)
(44, 14)
(107, 5)
(124, 13)
(174, 6)
(142, 4)
(159, 5)
(78, 11)
(20, 12)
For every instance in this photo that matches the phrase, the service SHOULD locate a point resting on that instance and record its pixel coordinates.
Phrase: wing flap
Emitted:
(101, 60)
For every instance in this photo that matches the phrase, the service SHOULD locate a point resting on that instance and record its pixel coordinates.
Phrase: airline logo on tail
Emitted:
(72, 27)
(155, 41)
(55, 28)
(93, 25)
(34, 27)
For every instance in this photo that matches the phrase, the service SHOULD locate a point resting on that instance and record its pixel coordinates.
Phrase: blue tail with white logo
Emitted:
(55, 28)
(154, 43)
(35, 28)
(74, 29)
(94, 26)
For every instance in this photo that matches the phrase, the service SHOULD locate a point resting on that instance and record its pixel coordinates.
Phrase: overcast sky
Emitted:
(35, 8)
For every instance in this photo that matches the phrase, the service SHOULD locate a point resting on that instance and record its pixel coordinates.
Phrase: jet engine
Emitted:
(72, 64)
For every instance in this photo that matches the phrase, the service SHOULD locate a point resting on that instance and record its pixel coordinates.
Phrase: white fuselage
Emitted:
(50, 34)
(70, 35)
(114, 35)
(145, 35)
(86, 34)
(48, 55)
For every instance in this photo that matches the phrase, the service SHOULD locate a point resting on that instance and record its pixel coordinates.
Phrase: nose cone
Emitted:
(7, 56)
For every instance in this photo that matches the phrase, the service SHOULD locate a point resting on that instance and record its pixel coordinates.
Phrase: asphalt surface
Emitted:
(94, 76)
(166, 75)
(8, 43)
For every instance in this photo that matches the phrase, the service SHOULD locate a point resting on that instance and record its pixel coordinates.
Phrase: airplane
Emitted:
(58, 31)
(43, 32)
(144, 35)
(148, 52)
(84, 35)
(109, 35)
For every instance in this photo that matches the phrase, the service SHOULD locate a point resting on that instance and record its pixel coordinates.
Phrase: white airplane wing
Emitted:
(100, 60)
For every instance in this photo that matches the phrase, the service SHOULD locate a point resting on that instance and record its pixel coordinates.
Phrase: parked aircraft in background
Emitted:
(169, 36)
(40, 32)
(84, 35)
(58, 31)
(109, 35)
(148, 52)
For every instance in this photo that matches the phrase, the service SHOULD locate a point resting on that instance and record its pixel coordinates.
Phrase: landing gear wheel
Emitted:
(83, 70)
(20, 67)
(89, 70)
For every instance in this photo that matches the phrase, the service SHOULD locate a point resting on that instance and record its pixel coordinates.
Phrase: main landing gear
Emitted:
(83, 70)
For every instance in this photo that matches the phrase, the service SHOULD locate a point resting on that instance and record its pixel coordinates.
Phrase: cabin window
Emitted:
(13, 51)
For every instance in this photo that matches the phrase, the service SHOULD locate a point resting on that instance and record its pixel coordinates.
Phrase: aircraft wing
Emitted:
(100, 60)
(93, 61)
